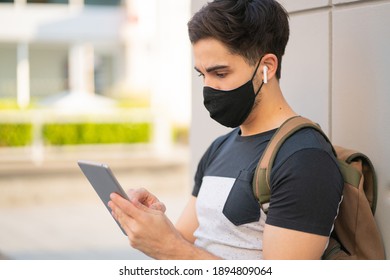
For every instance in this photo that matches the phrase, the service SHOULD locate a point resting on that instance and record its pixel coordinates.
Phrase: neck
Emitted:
(270, 111)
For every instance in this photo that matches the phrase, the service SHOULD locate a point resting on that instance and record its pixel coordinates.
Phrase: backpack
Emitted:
(355, 234)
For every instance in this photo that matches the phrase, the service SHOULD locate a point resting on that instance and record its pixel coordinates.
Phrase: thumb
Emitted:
(142, 206)
(159, 206)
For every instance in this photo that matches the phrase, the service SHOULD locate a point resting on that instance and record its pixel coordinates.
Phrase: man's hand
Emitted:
(147, 227)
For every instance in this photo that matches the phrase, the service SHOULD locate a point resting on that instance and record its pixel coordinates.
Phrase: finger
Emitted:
(158, 206)
(115, 211)
(134, 208)
(146, 198)
(138, 192)
(143, 196)
(113, 214)
(131, 193)
(124, 220)
(144, 208)
(124, 205)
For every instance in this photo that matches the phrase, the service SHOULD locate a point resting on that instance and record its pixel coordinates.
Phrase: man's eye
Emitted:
(200, 75)
(220, 75)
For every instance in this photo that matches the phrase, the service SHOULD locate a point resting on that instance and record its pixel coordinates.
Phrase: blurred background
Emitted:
(112, 81)
(100, 80)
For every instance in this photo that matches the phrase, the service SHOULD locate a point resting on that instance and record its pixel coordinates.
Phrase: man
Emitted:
(238, 48)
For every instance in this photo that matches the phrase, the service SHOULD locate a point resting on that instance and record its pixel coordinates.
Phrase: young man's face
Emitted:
(220, 68)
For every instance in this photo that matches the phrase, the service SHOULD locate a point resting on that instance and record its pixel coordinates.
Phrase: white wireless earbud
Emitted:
(265, 73)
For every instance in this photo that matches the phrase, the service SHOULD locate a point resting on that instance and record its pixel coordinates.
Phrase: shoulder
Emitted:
(304, 139)
(303, 151)
(306, 184)
(308, 138)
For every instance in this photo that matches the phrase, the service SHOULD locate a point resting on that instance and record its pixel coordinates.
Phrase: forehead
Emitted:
(209, 51)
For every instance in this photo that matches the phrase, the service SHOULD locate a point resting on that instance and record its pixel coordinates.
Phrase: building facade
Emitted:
(57, 46)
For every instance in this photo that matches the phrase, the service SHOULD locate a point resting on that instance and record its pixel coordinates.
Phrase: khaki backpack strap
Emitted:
(261, 179)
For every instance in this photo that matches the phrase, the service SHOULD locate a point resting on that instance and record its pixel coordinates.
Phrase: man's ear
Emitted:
(269, 67)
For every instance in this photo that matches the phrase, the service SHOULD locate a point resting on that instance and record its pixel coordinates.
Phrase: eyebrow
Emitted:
(213, 68)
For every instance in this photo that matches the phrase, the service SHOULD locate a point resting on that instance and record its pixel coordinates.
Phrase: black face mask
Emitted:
(231, 107)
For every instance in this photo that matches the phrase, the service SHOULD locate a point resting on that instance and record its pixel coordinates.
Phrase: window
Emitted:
(49, 1)
(8, 71)
(48, 70)
(103, 2)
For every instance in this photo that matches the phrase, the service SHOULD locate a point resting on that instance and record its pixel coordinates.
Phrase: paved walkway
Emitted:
(49, 211)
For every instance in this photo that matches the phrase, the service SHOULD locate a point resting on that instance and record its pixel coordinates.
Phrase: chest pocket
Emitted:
(241, 207)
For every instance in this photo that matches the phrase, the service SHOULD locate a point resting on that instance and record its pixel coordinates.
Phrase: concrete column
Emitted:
(23, 75)
(172, 77)
(81, 68)
(162, 125)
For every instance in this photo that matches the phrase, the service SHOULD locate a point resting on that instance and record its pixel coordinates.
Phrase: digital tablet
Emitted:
(103, 181)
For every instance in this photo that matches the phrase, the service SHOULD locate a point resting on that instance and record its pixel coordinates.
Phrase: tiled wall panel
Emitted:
(298, 5)
(361, 91)
(344, 1)
(305, 67)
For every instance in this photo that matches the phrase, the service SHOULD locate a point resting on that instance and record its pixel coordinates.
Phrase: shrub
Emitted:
(96, 133)
(15, 134)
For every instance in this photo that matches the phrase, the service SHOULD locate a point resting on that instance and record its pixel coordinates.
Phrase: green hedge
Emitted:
(96, 133)
(15, 134)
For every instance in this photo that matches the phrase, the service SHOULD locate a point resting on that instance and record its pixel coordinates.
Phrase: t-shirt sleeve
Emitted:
(199, 175)
(306, 192)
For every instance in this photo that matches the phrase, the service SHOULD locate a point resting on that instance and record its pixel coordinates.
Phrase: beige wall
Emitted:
(336, 72)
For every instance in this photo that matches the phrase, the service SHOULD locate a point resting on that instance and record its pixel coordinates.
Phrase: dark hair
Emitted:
(250, 28)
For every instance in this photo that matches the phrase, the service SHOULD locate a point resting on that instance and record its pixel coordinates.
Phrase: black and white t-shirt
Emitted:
(306, 188)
